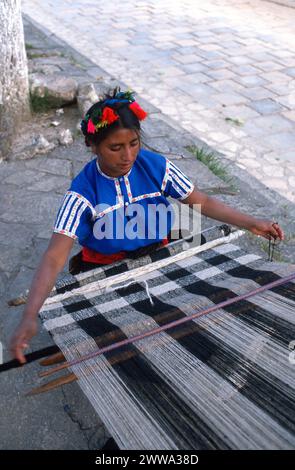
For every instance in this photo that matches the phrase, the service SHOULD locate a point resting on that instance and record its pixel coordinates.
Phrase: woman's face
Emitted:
(117, 153)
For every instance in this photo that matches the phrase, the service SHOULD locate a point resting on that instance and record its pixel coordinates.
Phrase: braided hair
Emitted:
(116, 110)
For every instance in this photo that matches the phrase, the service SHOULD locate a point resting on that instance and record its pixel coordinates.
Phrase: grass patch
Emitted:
(277, 255)
(41, 104)
(35, 55)
(237, 122)
(29, 46)
(213, 163)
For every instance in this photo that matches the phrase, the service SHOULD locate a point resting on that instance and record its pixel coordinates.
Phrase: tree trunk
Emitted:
(14, 85)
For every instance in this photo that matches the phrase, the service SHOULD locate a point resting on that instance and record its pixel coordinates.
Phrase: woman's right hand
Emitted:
(27, 328)
(51, 264)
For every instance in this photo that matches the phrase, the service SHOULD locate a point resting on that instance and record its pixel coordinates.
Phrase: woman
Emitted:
(99, 208)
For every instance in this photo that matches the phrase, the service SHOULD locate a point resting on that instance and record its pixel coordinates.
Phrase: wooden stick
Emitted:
(109, 338)
(119, 358)
(65, 379)
(173, 324)
(56, 358)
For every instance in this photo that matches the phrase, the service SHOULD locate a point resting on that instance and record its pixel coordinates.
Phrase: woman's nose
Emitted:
(127, 155)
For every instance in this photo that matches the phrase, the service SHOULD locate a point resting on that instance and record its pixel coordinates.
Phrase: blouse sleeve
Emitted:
(175, 183)
(74, 216)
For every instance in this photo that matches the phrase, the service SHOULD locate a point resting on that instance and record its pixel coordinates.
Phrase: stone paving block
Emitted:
(57, 184)
(200, 89)
(278, 88)
(230, 98)
(50, 165)
(288, 62)
(220, 137)
(271, 170)
(281, 55)
(22, 178)
(12, 257)
(261, 56)
(211, 47)
(156, 128)
(221, 74)
(185, 59)
(289, 71)
(240, 60)
(277, 77)
(284, 140)
(192, 68)
(231, 44)
(211, 55)
(269, 66)
(185, 42)
(289, 115)
(244, 70)
(197, 78)
(257, 93)
(20, 204)
(240, 112)
(227, 86)
(192, 50)
(275, 183)
(236, 52)
(204, 34)
(289, 164)
(266, 106)
(251, 80)
(217, 64)
(172, 82)
(271, 124)
(22, 234)
(172, 71)
(288, 101)
(223, 29)
(165, 45)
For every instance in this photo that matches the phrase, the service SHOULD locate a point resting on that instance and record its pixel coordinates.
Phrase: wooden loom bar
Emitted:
(173, 324)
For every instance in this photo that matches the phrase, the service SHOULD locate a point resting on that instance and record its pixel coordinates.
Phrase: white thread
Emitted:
(148, 292)
(133, 282)
(99, 286)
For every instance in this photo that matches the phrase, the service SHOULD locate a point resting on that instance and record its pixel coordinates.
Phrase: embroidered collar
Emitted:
(111, 177)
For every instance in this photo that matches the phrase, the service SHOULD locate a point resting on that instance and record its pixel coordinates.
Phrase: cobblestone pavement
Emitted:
(224, 69)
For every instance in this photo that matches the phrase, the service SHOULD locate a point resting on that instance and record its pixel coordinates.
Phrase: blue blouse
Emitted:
(111, 214)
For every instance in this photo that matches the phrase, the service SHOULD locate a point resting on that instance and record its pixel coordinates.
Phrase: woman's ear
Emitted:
(94, 149)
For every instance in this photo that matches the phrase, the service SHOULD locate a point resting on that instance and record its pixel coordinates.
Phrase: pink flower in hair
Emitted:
(138, 111)
(90, 127)
(109, 116)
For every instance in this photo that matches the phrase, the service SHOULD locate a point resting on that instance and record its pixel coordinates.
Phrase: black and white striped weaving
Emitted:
(223, 381)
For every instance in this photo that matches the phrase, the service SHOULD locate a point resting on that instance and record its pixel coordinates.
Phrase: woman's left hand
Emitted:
(266, 229)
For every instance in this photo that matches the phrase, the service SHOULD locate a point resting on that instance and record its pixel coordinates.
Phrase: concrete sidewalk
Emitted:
(31, 192)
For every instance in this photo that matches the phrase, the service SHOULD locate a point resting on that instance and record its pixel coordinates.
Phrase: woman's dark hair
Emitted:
(125, 117)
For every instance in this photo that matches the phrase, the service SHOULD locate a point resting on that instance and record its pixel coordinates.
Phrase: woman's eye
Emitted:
(133, 144)
(115, 149)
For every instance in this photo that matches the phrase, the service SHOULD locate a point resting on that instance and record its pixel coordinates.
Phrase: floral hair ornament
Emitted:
(138, 111)
(106, 112)
(91, 127)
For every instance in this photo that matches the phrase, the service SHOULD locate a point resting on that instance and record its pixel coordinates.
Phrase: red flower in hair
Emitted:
(109, 116)
(90, 127)
(138, 111)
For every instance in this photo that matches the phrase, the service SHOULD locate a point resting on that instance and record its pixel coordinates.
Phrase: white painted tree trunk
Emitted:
(14, 86)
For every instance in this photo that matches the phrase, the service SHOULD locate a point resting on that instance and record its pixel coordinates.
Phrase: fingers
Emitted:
(17, 349)
(276, 231)
(270, 231)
